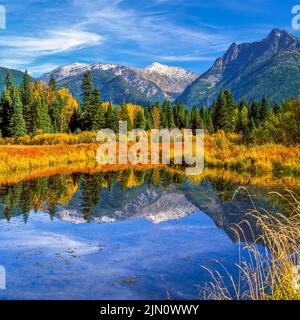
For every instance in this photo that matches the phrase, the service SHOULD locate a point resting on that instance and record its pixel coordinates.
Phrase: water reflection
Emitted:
(157, 195)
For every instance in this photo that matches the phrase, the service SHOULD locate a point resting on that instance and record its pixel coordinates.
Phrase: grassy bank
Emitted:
(271, 273)
(221, 151)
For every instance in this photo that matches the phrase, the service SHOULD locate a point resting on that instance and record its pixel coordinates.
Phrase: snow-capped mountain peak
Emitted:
(170, 79)
(166, 70)
(155, 81)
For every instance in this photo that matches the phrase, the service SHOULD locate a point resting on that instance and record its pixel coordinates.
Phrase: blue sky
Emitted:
(42, 34)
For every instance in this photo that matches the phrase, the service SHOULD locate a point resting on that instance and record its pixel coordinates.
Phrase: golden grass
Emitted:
(270, 273)
(221, 151)
(227, 152)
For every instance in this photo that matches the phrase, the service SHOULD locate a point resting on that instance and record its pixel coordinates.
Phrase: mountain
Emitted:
(118, 83)
(17, 77)
(269, 67)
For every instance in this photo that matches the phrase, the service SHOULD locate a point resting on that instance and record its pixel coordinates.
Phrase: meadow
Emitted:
(221, 151)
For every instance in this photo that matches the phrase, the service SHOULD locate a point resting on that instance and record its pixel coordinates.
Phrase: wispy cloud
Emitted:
(152, 32)
(25, 50)
(186, 57)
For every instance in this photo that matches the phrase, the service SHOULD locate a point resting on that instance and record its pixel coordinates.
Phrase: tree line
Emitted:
(35, 107)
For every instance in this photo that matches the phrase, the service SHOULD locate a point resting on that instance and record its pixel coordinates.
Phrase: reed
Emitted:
(270, 272)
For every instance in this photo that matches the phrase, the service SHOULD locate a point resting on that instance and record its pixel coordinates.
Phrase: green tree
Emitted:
(179, 115)
(17, 126)
(42, 118)
(207, 119)
(170, 117)
(264, 110)
(27, 101)
(111, 118)
(220, 112)
(243, 118)
(255, 112)
(88, 98)
(232, 112)
(140, 120)
(196, 121)
(6, 111)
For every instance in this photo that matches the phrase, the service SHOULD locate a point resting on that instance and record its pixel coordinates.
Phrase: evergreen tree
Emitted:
(42, 118)
(17, 126)
(55, 111)
(88, 98)
(196, 121)
(27, 101)
(111, 118)
(98, 121)
(140, 120)
(9, 83)
(164, 116)
(232, 112)
(179, 115)
(255, 112)
(264, 110)
(207, 120)
(220, 112)
(187, 119)
(170, 117)
(6, 111)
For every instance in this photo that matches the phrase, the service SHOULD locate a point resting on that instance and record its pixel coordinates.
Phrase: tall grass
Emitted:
(221, 151)
(270, 270)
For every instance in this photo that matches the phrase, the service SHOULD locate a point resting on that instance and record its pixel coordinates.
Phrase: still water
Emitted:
(121, 235)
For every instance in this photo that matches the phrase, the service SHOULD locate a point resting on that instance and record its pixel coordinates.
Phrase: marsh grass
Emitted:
(267, 269)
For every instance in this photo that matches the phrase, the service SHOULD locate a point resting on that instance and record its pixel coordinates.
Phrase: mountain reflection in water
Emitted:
(156, 195)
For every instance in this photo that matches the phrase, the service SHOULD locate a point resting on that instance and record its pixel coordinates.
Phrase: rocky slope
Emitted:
(117, 83)
(252, 70)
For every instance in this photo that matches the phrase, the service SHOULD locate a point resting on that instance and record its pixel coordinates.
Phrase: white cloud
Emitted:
(151, 31)
(50, 43)
(25, 50)
(186, 57)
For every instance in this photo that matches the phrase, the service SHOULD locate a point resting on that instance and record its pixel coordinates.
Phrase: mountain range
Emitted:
(119, 83)
(268, 67)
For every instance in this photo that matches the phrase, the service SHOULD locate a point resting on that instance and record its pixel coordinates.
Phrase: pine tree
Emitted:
(232, 112)
(264, 110)
(111, 118)
(27, 101)
(164, 116)
(207, 119)
(220, 112)
(187, 119)
(98, 121)
(140, 120)
(170, 117)
(255, 112)
(55, 111)
(9, 83)
(42, 118)
(17, 126)
(88, 98)
(6, 111)
(196, 121)
(179, 115)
